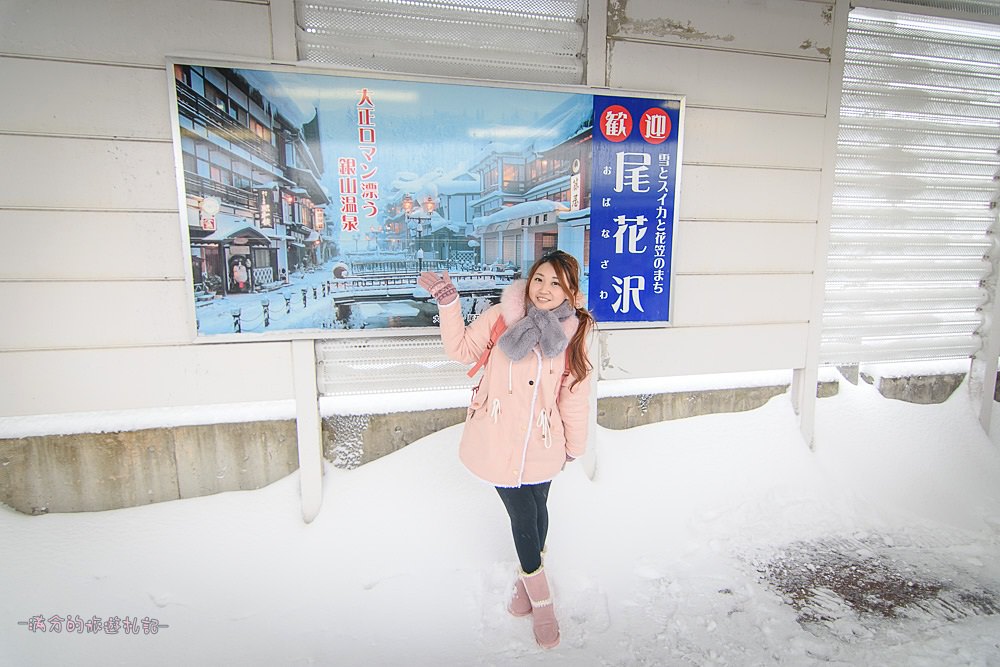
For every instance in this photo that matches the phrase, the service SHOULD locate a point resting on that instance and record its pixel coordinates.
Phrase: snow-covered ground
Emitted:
(289, 310)
(676, 553)
(216, 316)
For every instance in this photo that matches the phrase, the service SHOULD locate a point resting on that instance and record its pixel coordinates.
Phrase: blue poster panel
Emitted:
(633, 206)
(312, 201)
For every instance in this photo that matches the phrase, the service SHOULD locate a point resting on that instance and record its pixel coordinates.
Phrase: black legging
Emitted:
(529, 521)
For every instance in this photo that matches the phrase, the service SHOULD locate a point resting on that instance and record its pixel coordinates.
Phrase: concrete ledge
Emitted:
(622, 412)
(101, 471)
(353, 440)
(921, 389)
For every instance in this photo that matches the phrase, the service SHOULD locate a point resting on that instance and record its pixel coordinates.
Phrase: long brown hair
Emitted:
(568, 271)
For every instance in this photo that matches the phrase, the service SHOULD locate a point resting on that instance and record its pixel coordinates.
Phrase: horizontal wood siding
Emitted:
(93, 273)
(743, 247)
(93, 380)
(722, 79)
(134, 32)
(760, 139)
(91, 245)
(707, 300)
(754, 77)
(92, 314)
(681, 350)
(87, 174)
(85, 99)
(745, 193)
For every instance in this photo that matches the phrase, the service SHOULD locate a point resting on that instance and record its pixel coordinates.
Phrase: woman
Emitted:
(530, 412)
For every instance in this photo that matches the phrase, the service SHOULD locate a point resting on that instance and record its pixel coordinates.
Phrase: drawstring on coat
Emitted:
(543, 423)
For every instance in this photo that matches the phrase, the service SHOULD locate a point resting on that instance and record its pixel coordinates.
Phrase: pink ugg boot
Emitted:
(543, 615)
(519, 604)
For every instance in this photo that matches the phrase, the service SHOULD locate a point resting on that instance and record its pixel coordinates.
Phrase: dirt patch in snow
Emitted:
(827, 580)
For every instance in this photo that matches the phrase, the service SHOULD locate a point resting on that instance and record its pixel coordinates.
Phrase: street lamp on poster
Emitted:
(390, 241)
(380, 237)
(415, 222)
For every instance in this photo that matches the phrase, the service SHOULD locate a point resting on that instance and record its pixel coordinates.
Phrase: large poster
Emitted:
(313, 201)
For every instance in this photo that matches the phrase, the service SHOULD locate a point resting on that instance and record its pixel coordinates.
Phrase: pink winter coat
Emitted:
(516, 431)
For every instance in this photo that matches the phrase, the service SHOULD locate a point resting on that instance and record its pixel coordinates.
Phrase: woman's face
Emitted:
(544, 289)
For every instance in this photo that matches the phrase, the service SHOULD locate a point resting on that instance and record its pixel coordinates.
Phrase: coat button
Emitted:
(531, 382)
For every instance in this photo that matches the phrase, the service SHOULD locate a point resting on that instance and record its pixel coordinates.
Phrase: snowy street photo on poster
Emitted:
(313, 201)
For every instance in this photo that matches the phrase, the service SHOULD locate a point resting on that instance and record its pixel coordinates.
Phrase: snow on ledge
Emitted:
(667, 385)
(113, 421)
(404, 401)
(899, 369)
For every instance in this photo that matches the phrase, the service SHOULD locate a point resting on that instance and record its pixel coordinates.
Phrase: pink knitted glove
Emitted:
(440, 287)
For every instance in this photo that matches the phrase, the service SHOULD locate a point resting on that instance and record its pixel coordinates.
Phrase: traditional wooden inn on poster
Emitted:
(531, 191)
(252, 177)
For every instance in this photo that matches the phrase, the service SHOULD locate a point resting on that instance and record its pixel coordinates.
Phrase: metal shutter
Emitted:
(539, 41)
(911, 246)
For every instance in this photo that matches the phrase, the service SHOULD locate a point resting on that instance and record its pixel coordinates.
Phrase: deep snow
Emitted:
(661, 559)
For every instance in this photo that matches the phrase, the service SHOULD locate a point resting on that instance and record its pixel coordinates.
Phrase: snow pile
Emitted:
(663, 558)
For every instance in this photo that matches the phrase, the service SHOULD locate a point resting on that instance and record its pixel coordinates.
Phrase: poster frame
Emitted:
(312, 69)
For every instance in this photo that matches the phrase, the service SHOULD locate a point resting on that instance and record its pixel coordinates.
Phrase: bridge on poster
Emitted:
(400, 286)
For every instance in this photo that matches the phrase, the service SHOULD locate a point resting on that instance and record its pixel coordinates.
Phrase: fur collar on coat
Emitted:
(513, 307)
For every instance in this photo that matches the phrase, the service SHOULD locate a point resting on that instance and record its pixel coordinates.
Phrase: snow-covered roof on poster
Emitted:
(452, 226)
(502, 195)
(409, 182)
(552, 185)
(575, 215)
(521, 210)
(458, 186)
(566, 121)
(296, 109)
(436, 221)
(500, 148)
(436, 182)
(227, 228)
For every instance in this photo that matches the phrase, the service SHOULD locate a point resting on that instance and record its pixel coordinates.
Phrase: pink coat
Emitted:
(516, 431)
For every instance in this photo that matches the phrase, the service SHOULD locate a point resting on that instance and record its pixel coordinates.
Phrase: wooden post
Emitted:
(308, 428)
(589, 460)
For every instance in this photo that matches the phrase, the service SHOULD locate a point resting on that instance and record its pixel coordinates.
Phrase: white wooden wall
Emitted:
(755, 74)
(96, 307)
(93, 270)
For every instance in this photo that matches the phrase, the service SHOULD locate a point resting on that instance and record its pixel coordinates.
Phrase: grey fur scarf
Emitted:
(539, 327)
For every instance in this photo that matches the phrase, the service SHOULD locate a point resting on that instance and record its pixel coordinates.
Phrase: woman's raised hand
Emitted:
(440, 286)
